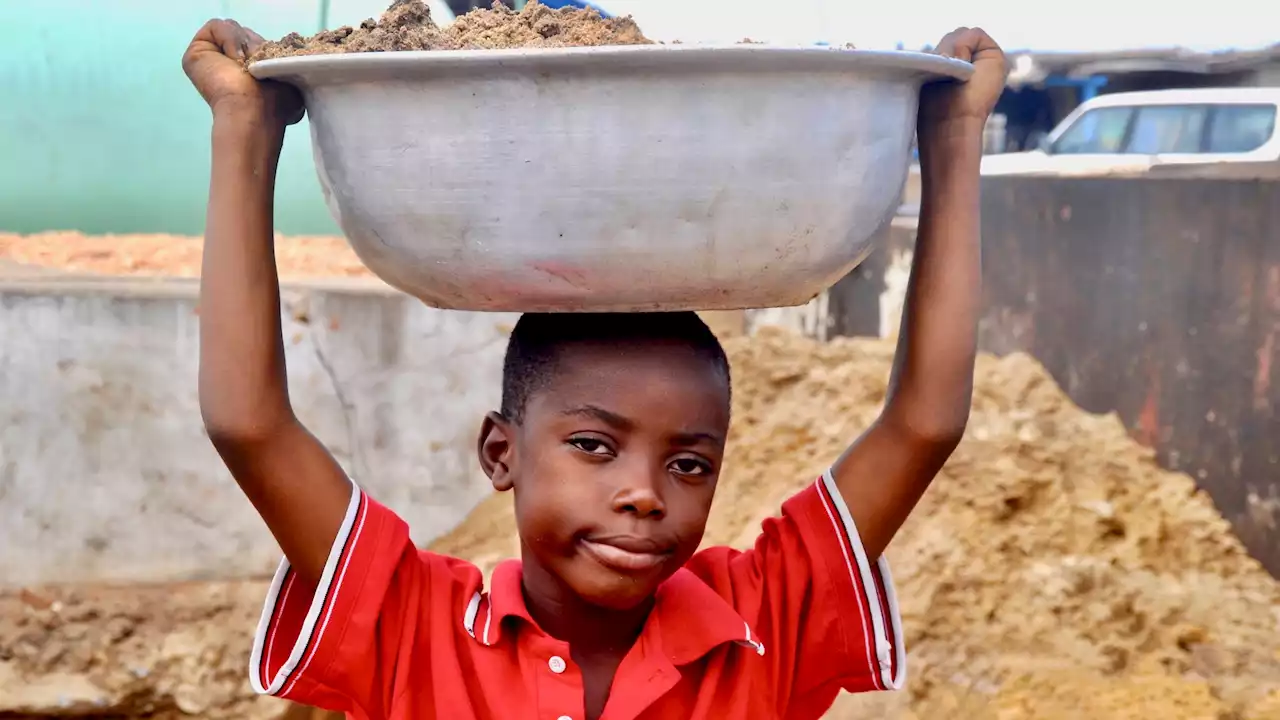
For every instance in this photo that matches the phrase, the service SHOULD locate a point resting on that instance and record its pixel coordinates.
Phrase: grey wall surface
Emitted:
(106, 474)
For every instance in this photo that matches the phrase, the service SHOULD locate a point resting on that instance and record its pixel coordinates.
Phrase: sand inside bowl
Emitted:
(408, 25)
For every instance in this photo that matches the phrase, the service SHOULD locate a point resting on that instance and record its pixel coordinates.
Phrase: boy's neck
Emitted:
(587, 628)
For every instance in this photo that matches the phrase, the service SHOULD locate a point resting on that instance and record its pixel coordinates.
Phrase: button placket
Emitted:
(560, 690)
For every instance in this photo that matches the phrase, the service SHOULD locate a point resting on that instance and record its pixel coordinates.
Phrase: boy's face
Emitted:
(614, 467)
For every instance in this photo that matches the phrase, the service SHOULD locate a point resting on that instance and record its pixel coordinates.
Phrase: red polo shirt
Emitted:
(773, 632)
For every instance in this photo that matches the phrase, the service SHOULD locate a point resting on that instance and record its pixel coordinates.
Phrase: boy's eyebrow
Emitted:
(599, 413)
(694, 438)
(625, 424)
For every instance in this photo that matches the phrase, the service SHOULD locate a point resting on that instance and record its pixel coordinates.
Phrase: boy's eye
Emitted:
(591, 446)
(689, 466)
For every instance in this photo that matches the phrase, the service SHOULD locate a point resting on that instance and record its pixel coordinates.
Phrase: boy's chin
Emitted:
(613, 591)
(618, 601)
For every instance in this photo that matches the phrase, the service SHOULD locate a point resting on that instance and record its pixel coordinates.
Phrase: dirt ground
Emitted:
(1053, 571)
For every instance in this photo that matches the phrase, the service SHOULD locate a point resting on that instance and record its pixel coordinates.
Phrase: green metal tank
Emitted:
(100, 130)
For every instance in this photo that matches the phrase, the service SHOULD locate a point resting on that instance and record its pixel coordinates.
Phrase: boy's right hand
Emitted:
(215, 63)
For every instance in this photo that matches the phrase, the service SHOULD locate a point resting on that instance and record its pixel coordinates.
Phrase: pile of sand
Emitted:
(1053, 570)
(407, 25)
(162, 652)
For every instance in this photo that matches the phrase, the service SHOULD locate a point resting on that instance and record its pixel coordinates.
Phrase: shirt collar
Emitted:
(689, 619)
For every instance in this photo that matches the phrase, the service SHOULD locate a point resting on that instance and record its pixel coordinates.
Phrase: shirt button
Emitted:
(564, 717)
(556, 663)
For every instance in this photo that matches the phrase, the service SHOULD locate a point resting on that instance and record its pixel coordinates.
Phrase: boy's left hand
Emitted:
(972, 100)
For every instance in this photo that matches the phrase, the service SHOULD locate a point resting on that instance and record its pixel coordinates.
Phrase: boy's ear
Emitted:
(496, 448)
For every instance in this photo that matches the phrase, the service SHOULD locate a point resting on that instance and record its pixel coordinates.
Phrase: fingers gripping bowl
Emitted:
(612, 178)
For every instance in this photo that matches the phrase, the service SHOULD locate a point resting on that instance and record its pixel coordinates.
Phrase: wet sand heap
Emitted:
(407, 25)
(1053, 570)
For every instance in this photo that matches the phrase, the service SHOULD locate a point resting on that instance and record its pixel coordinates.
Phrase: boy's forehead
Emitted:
(620, 365)
(636, 379)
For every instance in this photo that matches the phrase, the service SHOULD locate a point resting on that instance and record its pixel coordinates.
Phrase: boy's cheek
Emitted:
(545, 513)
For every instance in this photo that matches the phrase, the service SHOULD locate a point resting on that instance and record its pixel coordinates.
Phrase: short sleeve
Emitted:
(825, 612)
(337, 648)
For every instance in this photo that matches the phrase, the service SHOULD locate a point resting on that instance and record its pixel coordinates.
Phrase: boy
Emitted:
(611, 434)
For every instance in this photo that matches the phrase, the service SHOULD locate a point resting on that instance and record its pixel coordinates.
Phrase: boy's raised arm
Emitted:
(885, 472)
(295, 484)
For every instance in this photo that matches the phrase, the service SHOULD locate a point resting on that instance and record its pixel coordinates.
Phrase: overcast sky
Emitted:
(1020, 24)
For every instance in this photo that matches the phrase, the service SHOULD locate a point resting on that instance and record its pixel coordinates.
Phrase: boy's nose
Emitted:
(640, 498)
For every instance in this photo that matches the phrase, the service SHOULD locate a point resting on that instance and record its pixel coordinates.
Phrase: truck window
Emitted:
(1240, 128)
(1161, 129)
(1097, 131)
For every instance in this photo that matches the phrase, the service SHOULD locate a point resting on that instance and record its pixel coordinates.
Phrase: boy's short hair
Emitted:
(537, 338)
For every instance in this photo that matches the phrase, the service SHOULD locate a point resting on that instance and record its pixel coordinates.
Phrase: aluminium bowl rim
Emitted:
(612, 57)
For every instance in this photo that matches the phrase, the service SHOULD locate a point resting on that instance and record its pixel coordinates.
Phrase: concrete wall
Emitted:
(106, 474)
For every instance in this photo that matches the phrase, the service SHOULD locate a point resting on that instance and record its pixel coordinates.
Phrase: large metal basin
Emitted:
(618, 178)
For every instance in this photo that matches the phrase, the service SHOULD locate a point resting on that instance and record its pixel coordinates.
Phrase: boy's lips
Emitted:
(627, 553)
